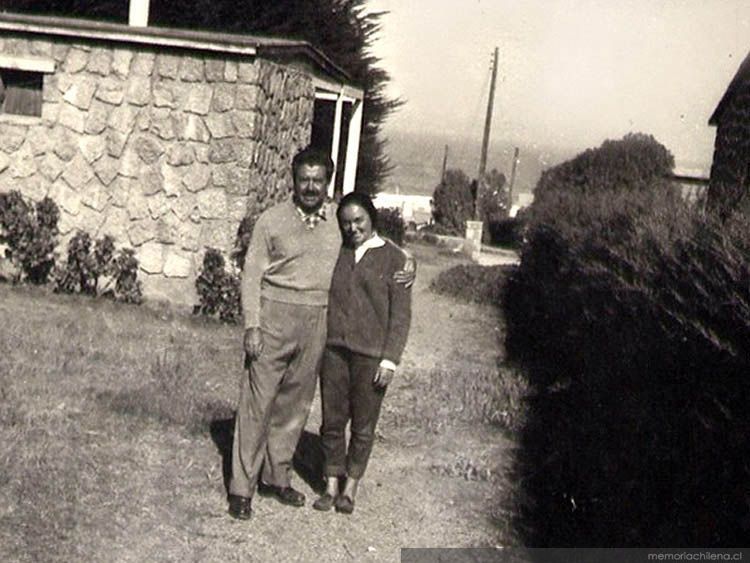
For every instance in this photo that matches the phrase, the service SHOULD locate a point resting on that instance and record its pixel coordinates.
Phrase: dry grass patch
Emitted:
(99, 425)
(172, 393)
(442, 398)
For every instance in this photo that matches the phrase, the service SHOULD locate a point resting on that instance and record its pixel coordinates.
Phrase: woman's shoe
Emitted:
(344, 504)
(324, 503)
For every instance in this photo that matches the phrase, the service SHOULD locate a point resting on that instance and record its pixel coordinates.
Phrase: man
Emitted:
(285, 283)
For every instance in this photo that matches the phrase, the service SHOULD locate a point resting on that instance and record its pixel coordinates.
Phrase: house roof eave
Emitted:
(232, 43)
(742, 74)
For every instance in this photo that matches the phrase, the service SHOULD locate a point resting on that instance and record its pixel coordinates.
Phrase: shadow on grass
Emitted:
(308, 457)
(308, 461)
(222, 434)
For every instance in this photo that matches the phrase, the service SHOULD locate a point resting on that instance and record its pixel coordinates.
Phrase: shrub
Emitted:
(434, 229)
(30, 233)
(89, 262)
(391, 224)
(430, 238)
(453, 202)
(472, 282)
(506, 232)
(127, 287)
(631, 312)
(218, 290)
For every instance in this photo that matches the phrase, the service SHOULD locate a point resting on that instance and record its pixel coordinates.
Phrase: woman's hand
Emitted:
(383, 377)
(408, 274)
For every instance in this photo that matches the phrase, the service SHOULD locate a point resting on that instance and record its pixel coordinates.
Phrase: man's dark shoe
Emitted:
(240, 507)
(285, 495)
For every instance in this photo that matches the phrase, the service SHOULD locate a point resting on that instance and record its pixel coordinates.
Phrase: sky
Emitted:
(571, 73)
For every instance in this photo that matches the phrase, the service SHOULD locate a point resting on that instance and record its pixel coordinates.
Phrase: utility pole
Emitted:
(445, 164)
(512, 179)
(488, 119)
(473, 244)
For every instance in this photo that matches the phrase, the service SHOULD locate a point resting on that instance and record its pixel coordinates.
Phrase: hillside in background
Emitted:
(417, 160)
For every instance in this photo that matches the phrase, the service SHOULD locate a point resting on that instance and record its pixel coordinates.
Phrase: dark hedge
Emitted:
(631, 312)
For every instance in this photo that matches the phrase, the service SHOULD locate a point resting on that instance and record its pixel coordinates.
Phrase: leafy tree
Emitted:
(494, 197)
(455, 197)
(453, 202)
(632, 163)
(602, 177)
(343, 29)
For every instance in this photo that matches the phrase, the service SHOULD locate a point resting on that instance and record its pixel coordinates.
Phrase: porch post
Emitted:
(352, 147)
(336, 141)
(138, 15)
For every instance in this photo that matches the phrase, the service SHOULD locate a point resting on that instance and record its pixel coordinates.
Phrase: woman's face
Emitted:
(355, 224)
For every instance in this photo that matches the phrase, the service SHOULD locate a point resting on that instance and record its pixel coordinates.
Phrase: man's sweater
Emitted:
(287, 261)
(368, 312)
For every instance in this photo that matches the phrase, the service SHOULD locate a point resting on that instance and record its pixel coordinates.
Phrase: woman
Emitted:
(368, 323)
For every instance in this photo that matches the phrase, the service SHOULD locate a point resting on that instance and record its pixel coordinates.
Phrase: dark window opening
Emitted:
(21, 92)
(322, 126)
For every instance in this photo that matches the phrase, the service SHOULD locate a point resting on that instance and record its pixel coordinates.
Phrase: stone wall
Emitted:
(165, 150)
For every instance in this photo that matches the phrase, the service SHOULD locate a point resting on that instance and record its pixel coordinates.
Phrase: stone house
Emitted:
(730, 170)
(164, 139)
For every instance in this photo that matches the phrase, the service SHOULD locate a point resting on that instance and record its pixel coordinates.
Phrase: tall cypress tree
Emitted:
(343, 29)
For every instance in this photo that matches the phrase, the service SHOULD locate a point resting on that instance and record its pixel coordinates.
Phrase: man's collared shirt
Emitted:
(311, 220)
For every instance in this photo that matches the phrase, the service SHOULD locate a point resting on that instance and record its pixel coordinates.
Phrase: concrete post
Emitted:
(352, 147)
(336, 141)
(473, 243)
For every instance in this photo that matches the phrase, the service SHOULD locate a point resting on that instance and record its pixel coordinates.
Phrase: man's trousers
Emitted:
(275, 395)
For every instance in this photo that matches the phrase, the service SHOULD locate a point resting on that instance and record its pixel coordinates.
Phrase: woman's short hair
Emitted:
(364, 201)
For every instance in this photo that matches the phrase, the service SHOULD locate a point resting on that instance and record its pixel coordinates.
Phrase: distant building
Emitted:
(730, 172)
(692, 182)
(415, 209)
(520, 201)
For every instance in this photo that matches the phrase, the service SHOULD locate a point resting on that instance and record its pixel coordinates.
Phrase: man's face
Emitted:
(310, 187)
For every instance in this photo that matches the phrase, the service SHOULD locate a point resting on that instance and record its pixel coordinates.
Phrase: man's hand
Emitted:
(383, 377)
(253, 343)
(409, 273)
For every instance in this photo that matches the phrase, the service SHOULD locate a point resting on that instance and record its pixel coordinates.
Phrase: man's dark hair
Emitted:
(312, 156)
(364, 201)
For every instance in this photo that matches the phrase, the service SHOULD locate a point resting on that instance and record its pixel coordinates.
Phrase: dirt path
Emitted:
(412, 495)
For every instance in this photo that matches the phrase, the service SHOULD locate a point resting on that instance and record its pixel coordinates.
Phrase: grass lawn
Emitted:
(115, 421)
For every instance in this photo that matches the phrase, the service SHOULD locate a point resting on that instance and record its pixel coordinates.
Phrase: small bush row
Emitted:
(95, 268)
(29, 233)
(218, 288)
(473, 283)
